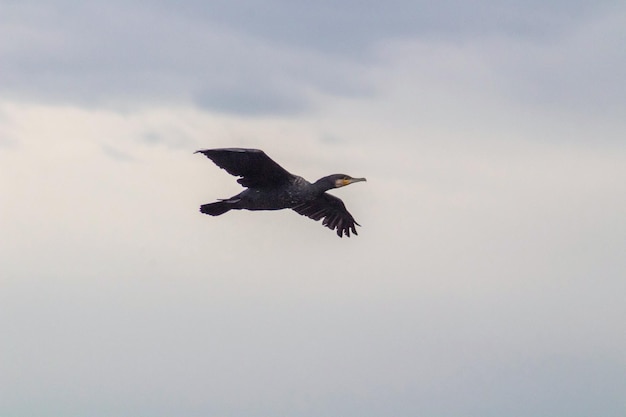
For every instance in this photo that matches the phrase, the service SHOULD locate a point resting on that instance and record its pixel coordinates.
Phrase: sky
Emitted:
(488, 276)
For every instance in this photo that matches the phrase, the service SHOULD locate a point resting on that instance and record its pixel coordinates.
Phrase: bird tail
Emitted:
(219, 207)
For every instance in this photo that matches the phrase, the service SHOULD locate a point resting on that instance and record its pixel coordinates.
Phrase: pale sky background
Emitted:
(488, 279)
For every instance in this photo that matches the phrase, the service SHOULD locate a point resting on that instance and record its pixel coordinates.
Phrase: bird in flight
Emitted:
(270, 187)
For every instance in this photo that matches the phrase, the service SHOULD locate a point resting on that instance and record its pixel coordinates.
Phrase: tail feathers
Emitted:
(215, 209)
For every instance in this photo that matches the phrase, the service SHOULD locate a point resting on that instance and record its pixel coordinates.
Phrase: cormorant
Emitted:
(271, 187)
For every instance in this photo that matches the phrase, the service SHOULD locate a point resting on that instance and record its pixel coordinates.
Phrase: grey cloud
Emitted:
(349, 27)
(247, 57)
(95, 56)
(250, 103)
(582, 71)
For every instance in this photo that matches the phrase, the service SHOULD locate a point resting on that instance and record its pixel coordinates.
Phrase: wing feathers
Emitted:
(255, 168)
(333, 212)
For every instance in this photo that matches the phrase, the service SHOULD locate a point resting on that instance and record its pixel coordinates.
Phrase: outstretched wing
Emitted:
(332, 211)
(255, 168)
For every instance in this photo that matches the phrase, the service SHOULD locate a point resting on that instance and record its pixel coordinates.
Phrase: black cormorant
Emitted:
(271, 187)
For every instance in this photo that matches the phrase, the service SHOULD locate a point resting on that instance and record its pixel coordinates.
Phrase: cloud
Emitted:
(480, 270)
(562, 90)
(255, 58)
(489, 268)
(259, 98)
(116, 154)
(128, 53)
(6, 138)
(578, 71)
(351, 27)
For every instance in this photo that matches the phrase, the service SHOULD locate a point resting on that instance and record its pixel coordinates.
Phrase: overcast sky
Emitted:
(489, 276)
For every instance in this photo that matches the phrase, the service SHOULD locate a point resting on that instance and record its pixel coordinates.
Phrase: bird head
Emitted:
(335, 181)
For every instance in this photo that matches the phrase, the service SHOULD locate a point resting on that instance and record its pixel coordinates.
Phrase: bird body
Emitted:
(271, 187)
(293, 192)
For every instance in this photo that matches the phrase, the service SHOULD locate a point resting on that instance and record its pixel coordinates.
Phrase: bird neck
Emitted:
(323, 184)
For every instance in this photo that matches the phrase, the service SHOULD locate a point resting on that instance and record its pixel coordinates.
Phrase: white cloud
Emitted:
(468, 255)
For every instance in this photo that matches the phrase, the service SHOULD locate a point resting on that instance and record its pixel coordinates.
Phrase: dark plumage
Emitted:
(271, 187)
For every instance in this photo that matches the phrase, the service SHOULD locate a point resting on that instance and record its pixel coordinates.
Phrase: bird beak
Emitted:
(351, 180)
